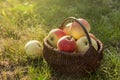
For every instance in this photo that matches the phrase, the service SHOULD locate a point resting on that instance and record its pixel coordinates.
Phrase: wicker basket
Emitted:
(73, 64)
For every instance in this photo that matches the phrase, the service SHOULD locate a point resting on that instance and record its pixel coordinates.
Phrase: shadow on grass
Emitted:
(36, 62)
(58, 76)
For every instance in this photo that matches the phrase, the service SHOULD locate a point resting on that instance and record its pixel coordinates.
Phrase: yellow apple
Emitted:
(76, 29)
(66, 29)
(33, 49)
(54, 35)
(83, 44)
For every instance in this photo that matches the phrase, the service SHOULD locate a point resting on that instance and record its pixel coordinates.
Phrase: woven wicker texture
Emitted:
(73, 64)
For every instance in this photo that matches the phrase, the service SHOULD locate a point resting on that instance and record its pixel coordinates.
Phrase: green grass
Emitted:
(24, 20)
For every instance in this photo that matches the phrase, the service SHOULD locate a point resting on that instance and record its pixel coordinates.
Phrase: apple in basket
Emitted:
(93, 36)
(76, 29)
(67, 44)
(54, 35)
(66, 29)
(33, 48)
(83, 44)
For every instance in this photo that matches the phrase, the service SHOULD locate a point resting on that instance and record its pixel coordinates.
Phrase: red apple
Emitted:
(54, 35)
(66, 43)
(92, 36)
(76, 29)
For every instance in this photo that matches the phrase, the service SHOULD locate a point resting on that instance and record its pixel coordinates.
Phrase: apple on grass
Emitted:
(76, 29)
(33, 48)
(83, 44)
(54, 35)
(66, 29)
(67, 44)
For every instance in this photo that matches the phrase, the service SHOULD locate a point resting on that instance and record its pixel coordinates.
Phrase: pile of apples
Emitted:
(71, 38)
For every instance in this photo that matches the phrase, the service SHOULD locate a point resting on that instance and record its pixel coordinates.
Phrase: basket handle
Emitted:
(84, 29)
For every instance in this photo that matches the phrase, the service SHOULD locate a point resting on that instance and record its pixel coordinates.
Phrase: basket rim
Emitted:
(72, 53)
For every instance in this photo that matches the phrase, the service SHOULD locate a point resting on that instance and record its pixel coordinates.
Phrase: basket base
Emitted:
(73, 64)
(79, 71)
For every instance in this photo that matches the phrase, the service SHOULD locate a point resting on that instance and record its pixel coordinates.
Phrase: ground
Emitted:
(24, 20)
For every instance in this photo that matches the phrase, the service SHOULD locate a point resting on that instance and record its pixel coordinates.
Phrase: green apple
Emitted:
(33, 48)
(93, 36)
(83, 44)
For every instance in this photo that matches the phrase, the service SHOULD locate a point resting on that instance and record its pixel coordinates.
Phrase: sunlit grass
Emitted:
(24, 20)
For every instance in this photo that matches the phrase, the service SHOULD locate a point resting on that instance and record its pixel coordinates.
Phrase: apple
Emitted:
(76, 29)
(67, 44)
(93, 36)
(83, 44)
(33, 48)
(66, 29)
(54, 35)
